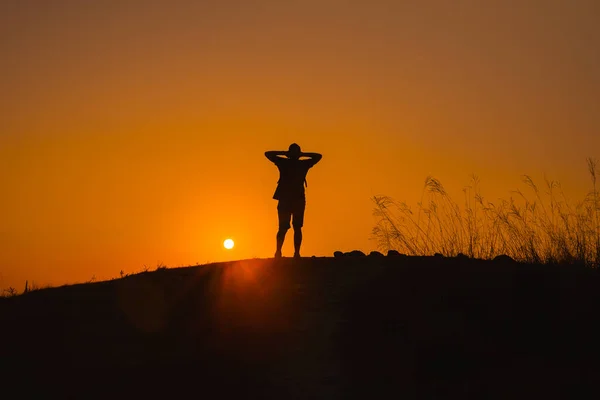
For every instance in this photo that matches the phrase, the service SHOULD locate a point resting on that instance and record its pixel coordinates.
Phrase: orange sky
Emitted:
(133, 132)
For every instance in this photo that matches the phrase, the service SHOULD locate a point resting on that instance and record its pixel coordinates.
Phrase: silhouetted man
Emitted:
(290, 192)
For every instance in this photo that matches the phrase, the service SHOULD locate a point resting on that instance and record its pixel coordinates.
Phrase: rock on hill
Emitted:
(346, 327)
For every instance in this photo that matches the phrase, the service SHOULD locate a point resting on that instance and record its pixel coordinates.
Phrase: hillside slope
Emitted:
(349, 327)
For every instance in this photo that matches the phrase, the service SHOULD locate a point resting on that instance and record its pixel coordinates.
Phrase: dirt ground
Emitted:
(330, 328)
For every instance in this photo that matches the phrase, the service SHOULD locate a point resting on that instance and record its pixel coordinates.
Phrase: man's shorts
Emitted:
(291, 209)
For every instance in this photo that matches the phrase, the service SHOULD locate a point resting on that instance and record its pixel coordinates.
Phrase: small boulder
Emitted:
(503, 258)
(461, 256)
(355, 253)
(375, 254)
(338, 254)
(393, 253)
(438, 255)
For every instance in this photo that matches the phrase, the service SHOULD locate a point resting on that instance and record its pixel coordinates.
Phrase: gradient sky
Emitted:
(132, 132)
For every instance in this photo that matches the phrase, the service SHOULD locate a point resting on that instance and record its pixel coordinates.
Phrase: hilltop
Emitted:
(345, 327)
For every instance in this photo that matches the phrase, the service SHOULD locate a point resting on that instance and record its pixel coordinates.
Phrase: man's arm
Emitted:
(314, 157)
(275, 155)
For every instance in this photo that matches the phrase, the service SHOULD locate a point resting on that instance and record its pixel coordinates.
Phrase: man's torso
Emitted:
(292, 175)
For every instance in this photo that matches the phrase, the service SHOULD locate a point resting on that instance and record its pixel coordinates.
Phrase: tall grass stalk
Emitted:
(540, 227)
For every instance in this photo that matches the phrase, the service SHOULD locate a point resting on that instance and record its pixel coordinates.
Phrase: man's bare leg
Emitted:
(280, 240)
(297, 241)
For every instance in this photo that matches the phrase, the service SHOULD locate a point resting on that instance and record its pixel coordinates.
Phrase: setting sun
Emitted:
(228, 244)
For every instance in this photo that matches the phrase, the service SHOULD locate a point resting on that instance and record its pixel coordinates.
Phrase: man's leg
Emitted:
(297, 241)
(284, 214)
(280, 239)
(297, 223)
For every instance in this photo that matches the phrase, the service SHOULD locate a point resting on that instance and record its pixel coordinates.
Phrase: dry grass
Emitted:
(543, 227)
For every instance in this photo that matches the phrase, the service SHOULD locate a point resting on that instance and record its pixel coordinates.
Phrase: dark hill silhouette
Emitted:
(346, 327)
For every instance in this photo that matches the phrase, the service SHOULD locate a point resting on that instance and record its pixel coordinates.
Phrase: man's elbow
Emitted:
(271, 156)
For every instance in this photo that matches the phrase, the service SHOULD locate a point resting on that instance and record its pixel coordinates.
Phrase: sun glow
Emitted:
(228, 244)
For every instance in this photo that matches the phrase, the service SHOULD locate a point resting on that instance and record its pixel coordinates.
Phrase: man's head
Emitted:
(294, 151)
